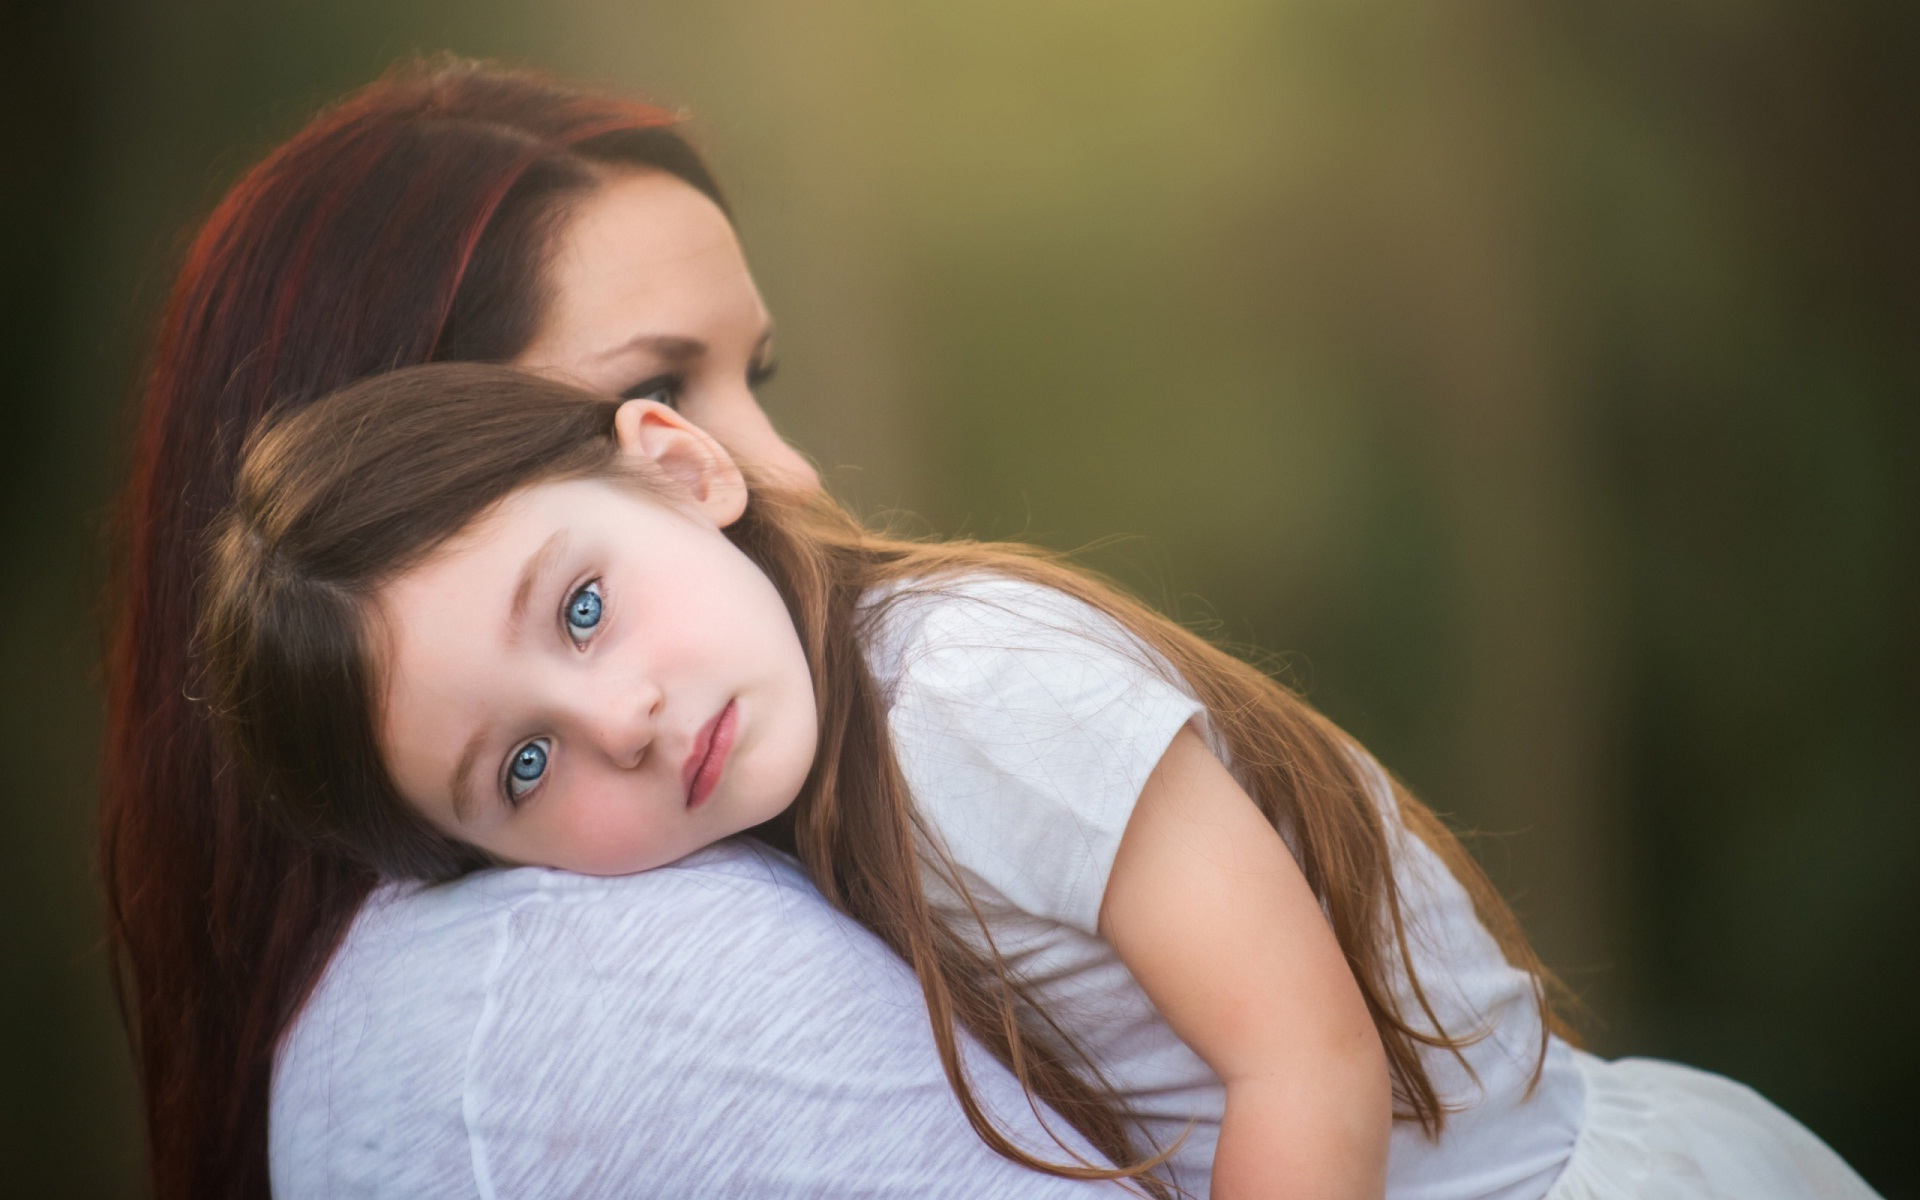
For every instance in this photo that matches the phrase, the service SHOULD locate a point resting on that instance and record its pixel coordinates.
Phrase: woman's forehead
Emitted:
(646, 255)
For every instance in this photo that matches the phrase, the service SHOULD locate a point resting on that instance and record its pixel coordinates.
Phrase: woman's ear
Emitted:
(687, 453)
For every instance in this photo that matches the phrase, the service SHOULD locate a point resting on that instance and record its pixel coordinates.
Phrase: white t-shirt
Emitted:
(709, 1029)
(1026, 724)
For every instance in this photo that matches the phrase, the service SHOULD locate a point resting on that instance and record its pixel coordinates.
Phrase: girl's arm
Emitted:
(1208, 909)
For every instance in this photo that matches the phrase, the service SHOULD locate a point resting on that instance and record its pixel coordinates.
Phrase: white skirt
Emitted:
(1659, 1131)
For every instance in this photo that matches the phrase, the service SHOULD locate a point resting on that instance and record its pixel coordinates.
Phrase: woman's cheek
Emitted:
(751, 438)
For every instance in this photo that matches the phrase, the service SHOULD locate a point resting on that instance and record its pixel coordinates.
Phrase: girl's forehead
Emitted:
(500, 553)
(516, 524)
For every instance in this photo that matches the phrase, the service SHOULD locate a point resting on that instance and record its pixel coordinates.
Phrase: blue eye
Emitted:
(528, 767)
(661, 389)
(583, 610)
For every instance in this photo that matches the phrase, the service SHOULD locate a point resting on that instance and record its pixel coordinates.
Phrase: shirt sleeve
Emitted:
(1026, 723)
(709, 1029)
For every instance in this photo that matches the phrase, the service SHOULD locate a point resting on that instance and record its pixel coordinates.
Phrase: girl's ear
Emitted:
(687, 453)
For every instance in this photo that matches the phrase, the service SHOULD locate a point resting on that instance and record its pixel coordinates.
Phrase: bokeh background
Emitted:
(1538, 386)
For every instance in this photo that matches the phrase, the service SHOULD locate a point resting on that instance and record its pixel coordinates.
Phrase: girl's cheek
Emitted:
(612, 839)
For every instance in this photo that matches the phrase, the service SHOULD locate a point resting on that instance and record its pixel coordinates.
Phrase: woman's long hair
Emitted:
(409, 223)
(339, 499)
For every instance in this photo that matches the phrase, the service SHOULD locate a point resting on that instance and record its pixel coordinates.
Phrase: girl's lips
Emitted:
(709, 755)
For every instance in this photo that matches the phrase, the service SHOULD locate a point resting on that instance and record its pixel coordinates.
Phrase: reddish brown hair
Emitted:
(407, 223)
(337, 500)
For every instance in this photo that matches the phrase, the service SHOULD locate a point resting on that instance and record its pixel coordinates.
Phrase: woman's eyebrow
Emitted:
(674, 349)
(669, 347)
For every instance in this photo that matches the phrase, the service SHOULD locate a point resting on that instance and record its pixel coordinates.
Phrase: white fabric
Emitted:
(708, 1029)
(1026, 724)
(713, 1029)
(1660, 1131)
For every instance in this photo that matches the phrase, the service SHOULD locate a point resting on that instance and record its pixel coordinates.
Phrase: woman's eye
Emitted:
(761, 371)
(583, 610)
(661, 389)
(528, 768)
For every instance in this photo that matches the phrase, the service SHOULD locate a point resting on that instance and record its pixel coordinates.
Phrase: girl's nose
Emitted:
(623, 721)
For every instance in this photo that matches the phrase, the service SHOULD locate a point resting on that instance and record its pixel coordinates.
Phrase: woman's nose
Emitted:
(756, 441)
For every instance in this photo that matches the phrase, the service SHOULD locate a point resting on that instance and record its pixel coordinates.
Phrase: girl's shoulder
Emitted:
(1025, 722)
(987, 622)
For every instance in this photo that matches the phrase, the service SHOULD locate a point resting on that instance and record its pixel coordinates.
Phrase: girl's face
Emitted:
(651, 299)
(593, 679)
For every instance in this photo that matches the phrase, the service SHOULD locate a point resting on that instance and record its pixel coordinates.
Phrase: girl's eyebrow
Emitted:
(463, 772)
(537, 564)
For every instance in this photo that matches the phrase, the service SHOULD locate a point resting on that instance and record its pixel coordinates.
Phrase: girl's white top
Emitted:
(1026, 724)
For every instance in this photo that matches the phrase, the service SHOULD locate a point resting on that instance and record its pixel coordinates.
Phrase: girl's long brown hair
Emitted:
(408, 223)
(340, 498)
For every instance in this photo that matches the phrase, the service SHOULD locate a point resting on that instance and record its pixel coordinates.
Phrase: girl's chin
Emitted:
(607, 864)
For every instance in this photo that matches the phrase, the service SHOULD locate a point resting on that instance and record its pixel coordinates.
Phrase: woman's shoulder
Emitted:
(420, 955)
(708, 1027)
(422, 907)
(510, 971)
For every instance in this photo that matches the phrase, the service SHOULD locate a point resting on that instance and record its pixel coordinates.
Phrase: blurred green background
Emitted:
(1536, 384)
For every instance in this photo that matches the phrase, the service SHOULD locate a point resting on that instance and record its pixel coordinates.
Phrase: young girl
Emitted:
(460, 616)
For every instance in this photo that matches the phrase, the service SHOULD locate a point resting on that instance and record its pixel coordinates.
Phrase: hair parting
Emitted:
(340, 497)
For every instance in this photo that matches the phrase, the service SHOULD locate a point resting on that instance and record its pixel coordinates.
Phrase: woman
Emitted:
(450, 213)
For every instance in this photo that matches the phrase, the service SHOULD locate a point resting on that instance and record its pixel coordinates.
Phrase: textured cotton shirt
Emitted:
(711, 1028)
(1026, 724)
